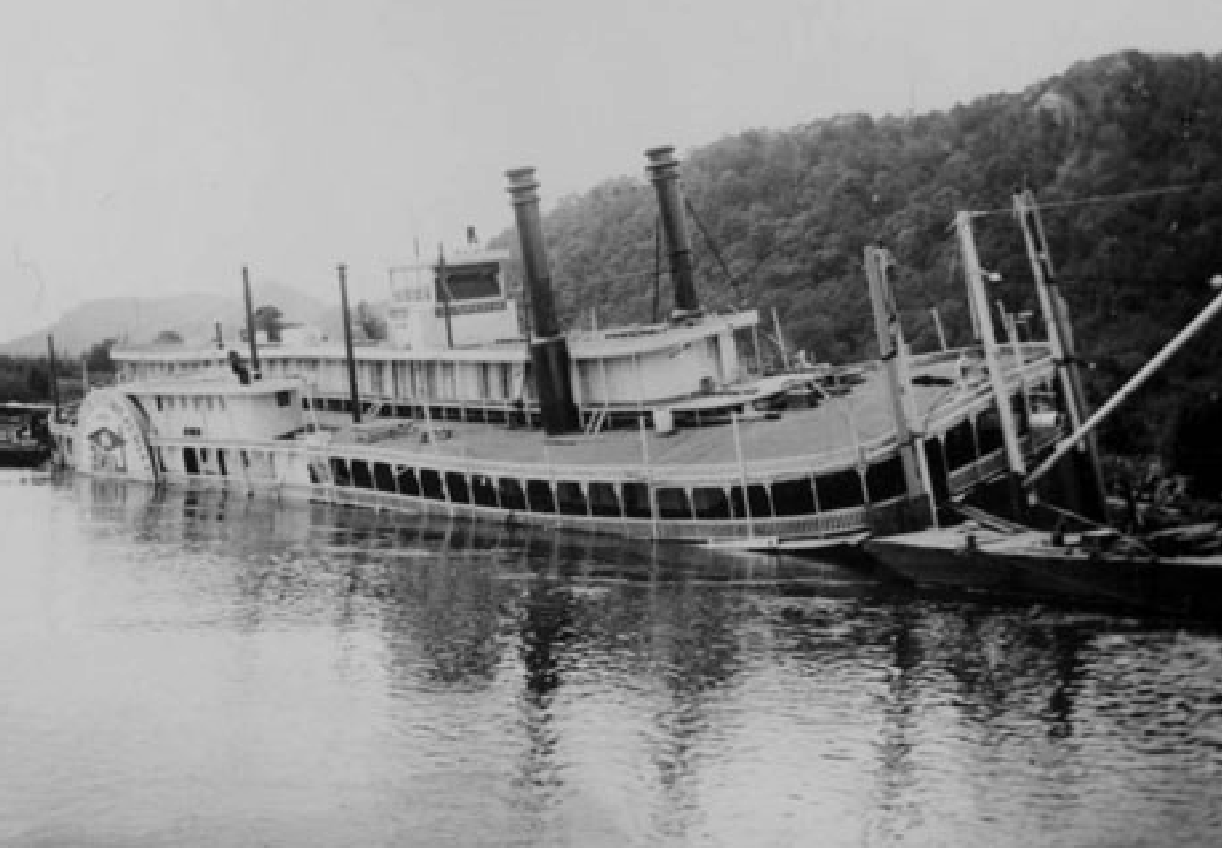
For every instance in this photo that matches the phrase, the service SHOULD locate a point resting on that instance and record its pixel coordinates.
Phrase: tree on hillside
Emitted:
(791, 210)
(98, 357)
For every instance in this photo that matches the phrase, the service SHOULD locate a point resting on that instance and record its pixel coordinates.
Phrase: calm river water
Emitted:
(181, 669)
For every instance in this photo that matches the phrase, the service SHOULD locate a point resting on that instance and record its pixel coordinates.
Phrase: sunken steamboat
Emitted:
(671, 430)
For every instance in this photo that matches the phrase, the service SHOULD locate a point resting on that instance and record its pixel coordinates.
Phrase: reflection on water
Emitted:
(208, 669)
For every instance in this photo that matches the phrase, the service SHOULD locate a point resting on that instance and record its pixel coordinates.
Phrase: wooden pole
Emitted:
(893, 353)
(354, 395)
(1060, 340)
(980, 304)
(780, 338)
(250, 325)
(54, 380)
(444, 285)
(742, 473)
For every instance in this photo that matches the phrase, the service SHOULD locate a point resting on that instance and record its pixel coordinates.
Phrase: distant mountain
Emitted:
(140, 319)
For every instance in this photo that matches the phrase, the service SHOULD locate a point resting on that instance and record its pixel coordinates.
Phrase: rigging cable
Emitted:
(1137, 194)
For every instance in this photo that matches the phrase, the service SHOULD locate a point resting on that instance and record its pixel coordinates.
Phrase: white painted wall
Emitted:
(234, 416)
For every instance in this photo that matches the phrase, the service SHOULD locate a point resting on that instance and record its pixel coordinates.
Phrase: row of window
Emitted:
(782, 498)
(199, 404)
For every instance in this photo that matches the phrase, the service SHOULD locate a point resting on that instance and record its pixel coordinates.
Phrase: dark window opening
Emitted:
(361, 478)
(483, 491)
(430, 484)
(456, 484)
(757, 500)
(960, 445)
(710, 503)
(570, 499)
(384, 478)
(603, 500)
(408, 484)
(673, 503)
(840, 489)
(339, 471)
(793, 497)
(189, 462)
(539, 492)
(220, 459)
(885, 480)
(636, 501)
(512, 496)
(988, 431)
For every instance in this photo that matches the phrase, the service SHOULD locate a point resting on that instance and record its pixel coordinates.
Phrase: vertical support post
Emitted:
(980, 305)
(354, 396)
(640, 412)
(742, 473)
(250, 325)
(893, 353)
(220, 338)
(84, 375)
(1060, 339)
(443, 285)
(780, 338)
(657, 268)
(54, 382)
(937, 325)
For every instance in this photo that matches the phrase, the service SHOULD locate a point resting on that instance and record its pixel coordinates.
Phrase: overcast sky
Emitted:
(155, 147)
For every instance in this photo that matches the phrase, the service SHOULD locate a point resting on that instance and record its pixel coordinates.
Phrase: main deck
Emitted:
(820, 470)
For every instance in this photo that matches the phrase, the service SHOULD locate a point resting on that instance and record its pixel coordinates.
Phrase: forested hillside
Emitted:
(790, 211)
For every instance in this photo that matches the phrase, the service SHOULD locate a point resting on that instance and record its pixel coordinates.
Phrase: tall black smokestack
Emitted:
(549, 352)
(663, 170)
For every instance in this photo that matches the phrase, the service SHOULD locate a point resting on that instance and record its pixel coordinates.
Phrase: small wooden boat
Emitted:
(1098, 566)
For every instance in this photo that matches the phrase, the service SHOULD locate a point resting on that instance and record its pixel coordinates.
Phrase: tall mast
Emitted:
(354, 396)
(1060, 340)
(250, 325)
